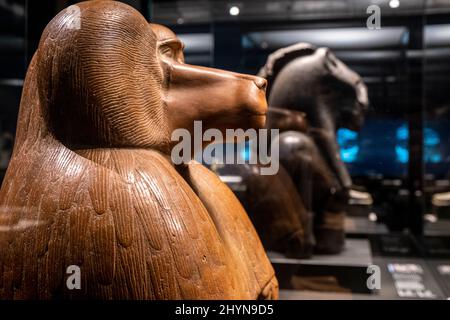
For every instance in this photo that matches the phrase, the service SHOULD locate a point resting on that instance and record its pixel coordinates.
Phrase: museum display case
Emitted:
(206, 149)
(397, 201)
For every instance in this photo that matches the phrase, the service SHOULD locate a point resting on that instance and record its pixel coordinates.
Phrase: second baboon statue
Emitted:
(312, 80)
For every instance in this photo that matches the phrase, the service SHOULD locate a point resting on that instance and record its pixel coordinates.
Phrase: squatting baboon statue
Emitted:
(91, 183)
(313, 81)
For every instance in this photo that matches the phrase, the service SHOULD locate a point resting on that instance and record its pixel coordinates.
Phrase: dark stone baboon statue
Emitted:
(313, 81)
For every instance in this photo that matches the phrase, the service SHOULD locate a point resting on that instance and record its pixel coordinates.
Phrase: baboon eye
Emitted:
(172, 50)
(168, 51)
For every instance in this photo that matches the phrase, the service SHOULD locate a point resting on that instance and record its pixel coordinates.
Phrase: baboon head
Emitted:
(113, 80)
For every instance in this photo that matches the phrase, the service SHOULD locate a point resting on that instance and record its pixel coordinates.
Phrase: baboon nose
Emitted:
(261, 83)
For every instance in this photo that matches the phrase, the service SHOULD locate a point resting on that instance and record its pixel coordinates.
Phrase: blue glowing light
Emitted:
(246, 151)
(402, 133)
(402, 153)
(401, 148)
(348, 143)
(431, 137)
(431, 142)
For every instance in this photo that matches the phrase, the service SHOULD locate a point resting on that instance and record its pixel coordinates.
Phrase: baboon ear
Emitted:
(328, 59)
